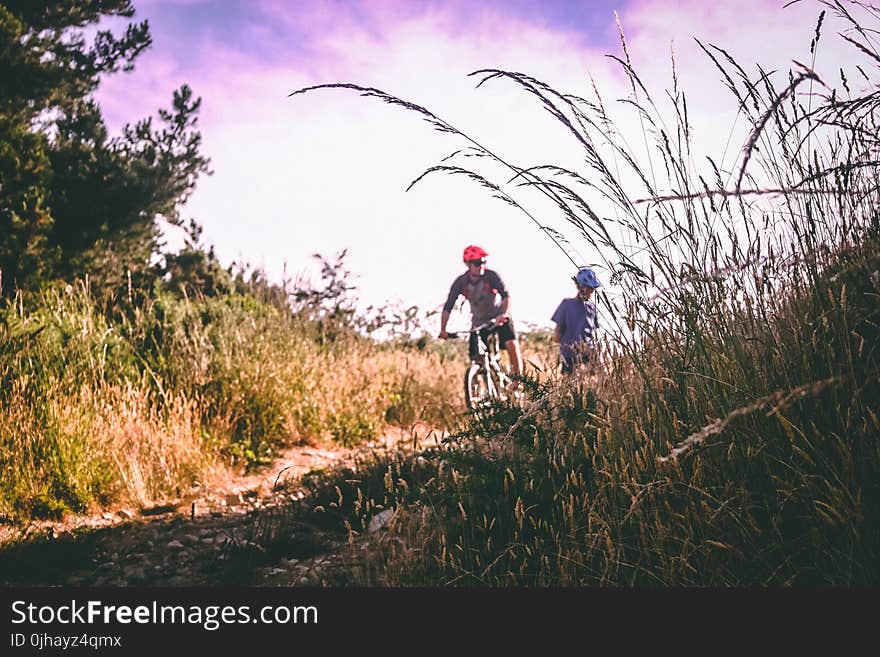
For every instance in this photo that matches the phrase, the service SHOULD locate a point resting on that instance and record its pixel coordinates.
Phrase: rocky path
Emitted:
(192, 541)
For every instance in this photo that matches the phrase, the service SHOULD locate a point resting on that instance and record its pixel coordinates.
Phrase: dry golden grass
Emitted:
(96, 413)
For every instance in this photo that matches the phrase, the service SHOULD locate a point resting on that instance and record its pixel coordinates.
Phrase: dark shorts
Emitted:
(506, 332)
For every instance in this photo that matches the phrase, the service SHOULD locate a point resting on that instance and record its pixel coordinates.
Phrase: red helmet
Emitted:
(473, 252)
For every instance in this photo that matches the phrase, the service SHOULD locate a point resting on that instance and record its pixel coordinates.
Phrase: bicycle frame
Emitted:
(485, 379)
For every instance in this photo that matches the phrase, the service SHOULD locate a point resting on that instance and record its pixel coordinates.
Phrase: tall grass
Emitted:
(733, 438)
(133, 400)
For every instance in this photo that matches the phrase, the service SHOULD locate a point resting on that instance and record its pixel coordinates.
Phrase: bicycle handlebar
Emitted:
(491, 323)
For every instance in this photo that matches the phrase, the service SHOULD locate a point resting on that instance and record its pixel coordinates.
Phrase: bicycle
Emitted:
(486, 380)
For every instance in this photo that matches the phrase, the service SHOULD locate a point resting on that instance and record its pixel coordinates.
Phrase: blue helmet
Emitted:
(586, 278)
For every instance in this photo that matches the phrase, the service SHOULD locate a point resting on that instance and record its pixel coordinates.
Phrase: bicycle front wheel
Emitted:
(477, 391)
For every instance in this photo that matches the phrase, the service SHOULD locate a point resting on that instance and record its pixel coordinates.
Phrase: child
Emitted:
(576, 322)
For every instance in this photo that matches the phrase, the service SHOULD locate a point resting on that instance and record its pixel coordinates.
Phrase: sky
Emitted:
(328, 170)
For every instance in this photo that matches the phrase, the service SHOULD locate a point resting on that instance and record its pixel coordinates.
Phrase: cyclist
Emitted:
(489, 300)
(576, 322)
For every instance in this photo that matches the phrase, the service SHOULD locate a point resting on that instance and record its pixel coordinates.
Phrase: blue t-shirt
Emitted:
(577, 322)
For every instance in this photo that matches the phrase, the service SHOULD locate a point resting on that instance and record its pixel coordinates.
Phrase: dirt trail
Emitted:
(186, 542)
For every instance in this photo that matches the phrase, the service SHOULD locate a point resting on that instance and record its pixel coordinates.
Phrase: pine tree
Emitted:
(73, 200)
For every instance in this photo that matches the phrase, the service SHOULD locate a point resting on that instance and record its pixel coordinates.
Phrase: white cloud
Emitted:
(327, 170)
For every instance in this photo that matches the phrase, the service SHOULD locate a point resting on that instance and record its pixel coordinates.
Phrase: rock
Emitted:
(125, 515)
(175, 545)
(379, 520)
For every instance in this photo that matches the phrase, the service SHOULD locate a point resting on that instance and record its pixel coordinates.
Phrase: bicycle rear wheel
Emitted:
(477, 393)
